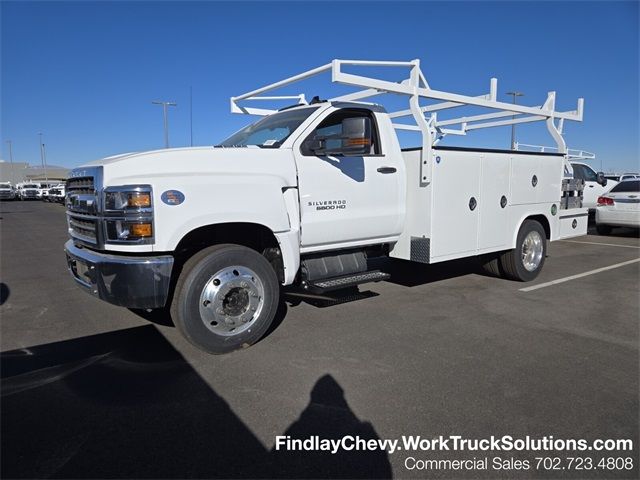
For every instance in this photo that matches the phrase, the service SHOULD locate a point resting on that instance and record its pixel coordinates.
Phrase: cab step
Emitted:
(345, 281)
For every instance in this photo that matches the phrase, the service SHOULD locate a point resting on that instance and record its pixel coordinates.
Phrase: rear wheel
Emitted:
(524, 262)
(226, 298)
(603, 229)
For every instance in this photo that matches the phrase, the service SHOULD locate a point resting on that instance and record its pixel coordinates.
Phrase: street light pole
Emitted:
(46, 175)
(514, 94)
(41, 150)
(13, 173)
(43, 158)
(166, 119)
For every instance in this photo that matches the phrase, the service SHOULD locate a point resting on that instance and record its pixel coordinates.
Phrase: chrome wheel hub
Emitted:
(231, 300)
(532, 249)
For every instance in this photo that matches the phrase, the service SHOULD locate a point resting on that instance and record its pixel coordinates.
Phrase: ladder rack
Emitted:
(415, 88)
(572, 153)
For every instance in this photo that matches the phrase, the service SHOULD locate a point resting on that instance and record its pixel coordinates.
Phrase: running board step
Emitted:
(345, 281)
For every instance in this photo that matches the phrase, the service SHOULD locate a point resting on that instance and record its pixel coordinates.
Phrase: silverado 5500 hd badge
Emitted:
(328, 204)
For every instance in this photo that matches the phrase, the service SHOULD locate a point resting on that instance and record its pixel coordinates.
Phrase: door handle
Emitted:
(590, 186)
(387, 170)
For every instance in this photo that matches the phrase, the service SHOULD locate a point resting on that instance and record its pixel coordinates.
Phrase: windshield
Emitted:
(271, 131)
(627, 186)
(5, 185)
(30, 186)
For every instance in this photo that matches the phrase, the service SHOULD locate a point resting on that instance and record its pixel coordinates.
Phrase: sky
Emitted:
(84, 74)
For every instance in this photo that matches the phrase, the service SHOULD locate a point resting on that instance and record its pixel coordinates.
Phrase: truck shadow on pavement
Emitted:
(4, 293)
(410, 274)
(127, 404)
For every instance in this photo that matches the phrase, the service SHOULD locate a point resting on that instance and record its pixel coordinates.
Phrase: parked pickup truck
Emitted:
(306, 197)
(28, 191)
(7, 192)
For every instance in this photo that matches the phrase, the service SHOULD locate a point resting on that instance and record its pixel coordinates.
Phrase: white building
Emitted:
(17, 172)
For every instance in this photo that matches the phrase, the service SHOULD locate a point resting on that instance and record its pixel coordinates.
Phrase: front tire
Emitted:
(603, 229)
(226, 298)
(524, 262)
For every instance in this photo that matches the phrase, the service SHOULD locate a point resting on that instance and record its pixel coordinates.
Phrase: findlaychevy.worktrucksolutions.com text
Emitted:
(505, 443)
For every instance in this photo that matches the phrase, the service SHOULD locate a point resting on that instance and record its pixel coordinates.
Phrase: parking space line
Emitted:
(598, 243)
(580, 275)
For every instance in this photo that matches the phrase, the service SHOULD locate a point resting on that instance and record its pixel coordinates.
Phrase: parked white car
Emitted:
(620, 207)
(595, 184)
(629, 176)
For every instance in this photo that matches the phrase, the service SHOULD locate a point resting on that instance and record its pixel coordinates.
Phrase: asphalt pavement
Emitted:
(92, 390)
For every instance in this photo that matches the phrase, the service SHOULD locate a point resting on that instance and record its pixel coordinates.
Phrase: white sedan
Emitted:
(620, 207)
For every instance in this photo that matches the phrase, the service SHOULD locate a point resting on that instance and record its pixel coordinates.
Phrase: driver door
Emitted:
(347, 200)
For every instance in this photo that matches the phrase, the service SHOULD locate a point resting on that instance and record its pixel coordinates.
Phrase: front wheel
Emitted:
(524, 262)
(603, 229)
(226, 298)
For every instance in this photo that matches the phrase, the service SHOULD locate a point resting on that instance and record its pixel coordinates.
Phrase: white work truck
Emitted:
(308, 197)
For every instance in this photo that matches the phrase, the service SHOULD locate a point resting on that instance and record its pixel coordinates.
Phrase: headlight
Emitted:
(128, 214)
(127, 200)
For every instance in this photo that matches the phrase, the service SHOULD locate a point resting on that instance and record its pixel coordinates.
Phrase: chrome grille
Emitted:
(82, 202)
(83, 227)
(82, 185)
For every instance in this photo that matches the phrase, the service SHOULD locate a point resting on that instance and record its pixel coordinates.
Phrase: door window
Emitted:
(585, 173)
(332, 125)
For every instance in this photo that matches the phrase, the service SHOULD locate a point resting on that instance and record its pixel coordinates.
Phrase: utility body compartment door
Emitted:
(572, 223)
(494, 201)
(456, 203)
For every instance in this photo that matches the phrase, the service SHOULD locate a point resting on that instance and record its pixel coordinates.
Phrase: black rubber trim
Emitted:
(579, 215)
(489, 150)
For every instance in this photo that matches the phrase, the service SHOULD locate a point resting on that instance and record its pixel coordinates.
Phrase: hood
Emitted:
(143, 167)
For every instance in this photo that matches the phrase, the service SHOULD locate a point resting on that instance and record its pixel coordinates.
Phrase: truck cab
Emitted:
(595, 184)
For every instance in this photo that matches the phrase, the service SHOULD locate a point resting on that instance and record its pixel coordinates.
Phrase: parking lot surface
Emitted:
(93, 390)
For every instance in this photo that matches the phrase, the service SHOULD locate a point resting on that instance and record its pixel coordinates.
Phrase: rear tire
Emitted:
(226, 298)
(524, 262)
(603, 229)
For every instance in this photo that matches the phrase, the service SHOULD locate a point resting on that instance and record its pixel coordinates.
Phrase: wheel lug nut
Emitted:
(206, 303)
(244, 284)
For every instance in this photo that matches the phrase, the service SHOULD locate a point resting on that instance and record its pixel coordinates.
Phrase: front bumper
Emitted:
(133, 282)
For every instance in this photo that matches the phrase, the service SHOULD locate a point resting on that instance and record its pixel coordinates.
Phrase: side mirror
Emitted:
(600, 178)
(354, 139)
(356, 136)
